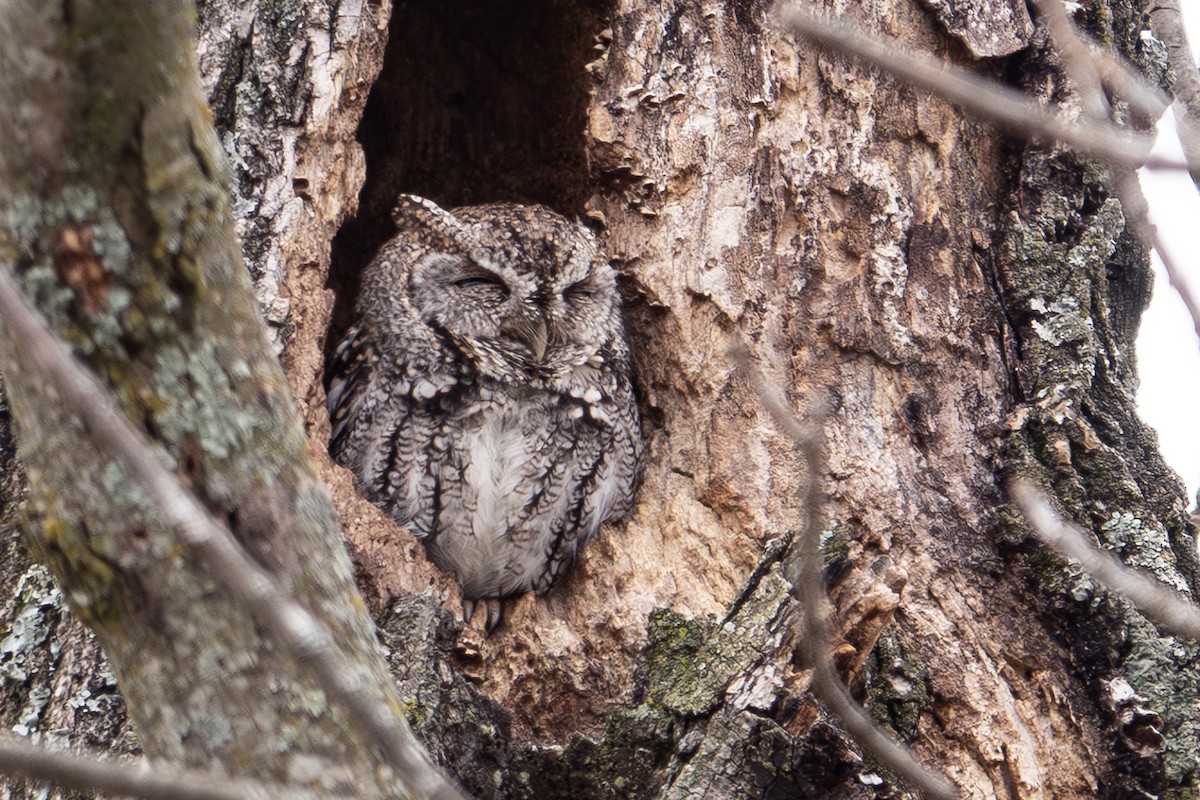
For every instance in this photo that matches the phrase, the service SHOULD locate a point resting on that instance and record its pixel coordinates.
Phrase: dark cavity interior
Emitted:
(477, 102)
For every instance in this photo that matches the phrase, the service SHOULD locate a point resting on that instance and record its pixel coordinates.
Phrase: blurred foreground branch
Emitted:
(291, 626)
(1086, 70)
(18, 757)
(1021, 116)
(1159, 603)
(1008, 108)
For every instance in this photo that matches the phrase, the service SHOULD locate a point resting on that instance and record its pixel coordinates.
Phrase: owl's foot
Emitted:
(495, 612)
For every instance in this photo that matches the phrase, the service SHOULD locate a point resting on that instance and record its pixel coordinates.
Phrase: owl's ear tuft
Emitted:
(412, 212)
(429, 221)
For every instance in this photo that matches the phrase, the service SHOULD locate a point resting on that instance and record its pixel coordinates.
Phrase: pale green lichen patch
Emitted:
(106, 702)
(1144, 544)
(1061, 321)
(1062, 276)
(690, 663)
(64, 544)
(27, 649)
(198, 392)
(40, 604)
(1076, 275)
(213, 729)
(1157, 669)
(685, 676)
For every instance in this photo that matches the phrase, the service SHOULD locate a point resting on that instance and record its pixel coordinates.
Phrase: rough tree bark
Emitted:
(964, 303)
(118, 224)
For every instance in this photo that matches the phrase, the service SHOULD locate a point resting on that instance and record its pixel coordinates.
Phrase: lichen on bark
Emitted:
(123, 234)
(1078, 281)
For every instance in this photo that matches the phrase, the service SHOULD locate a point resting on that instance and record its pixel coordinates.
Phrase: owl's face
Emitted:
(521, 292)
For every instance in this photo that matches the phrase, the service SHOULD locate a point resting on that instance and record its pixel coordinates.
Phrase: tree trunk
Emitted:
(963, 304)
(118, 213)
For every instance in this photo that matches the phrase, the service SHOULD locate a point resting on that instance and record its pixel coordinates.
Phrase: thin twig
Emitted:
(1178, 278)
(1143, 97)
(1077, 61)
(1001, 105)
(1090, 67)
(1137, 213)
(19, 757)
(1166, 20)
(291, 626)
(1016, 112)
(1153, 598)
(803, 570)
(1079, 64)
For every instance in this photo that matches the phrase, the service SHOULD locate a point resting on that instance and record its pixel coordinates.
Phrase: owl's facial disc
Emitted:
(494, 316)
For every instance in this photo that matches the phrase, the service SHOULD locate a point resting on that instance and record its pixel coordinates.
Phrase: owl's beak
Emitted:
(532, 333)
(537, 340)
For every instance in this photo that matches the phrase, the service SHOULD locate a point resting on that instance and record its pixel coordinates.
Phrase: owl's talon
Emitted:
(468, 611)
(495, 614)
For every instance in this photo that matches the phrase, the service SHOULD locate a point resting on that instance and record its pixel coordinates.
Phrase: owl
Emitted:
(483, 398)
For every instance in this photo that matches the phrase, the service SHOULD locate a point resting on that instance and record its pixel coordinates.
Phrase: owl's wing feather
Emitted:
(347, 375)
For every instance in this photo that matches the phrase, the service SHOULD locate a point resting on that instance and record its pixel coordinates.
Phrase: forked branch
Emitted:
(1015, 111)
(803, 568)
(289, 624)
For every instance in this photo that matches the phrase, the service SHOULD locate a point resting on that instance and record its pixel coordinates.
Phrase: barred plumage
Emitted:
(484, 398)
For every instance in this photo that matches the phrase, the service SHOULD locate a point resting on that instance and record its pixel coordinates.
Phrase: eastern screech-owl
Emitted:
(483, 399)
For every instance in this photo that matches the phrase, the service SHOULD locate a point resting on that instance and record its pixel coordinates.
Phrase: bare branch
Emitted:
(291, 626)
(19, 757)
(1178, 277)
(1143, 97)
(1001, 105)
(1166, 20)
(803, 569)
(1090, 67)
(1077, 61)
(1153, 598)
(1133, 200)
(1164, 164)
(1016, 112)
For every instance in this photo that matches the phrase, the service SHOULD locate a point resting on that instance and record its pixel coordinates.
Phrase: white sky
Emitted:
(1168, 351)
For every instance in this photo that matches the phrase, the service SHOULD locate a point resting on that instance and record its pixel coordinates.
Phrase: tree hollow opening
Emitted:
(476, 103)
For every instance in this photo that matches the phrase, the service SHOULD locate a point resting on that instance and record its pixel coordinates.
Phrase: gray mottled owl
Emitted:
(483, 399)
